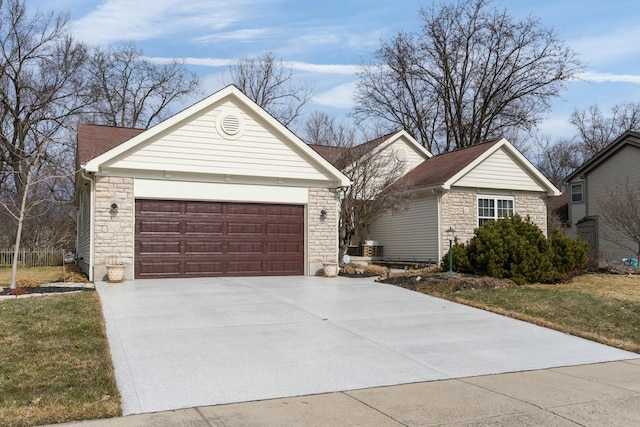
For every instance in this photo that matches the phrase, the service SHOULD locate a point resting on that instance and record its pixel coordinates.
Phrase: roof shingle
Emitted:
(94, 140)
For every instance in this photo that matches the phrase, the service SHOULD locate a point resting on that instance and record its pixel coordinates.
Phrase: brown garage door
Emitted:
(201, 239)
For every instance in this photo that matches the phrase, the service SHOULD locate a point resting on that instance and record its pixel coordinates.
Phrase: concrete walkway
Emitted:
(606, 394)
(201, 342)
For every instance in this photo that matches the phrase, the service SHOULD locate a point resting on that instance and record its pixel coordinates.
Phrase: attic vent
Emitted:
(230, 125)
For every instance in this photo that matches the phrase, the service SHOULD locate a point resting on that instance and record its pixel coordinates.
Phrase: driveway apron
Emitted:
(198, 342)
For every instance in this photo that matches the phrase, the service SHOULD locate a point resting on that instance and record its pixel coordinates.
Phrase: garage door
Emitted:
(201, 239)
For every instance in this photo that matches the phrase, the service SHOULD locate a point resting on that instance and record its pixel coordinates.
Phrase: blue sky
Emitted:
(325, 40)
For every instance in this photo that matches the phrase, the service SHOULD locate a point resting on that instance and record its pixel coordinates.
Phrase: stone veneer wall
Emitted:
(114, 233)
(322, 234)
(535, 207)
(460, 211)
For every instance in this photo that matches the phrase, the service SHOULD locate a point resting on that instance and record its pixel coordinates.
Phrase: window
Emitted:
(576, 193)
(493, 208)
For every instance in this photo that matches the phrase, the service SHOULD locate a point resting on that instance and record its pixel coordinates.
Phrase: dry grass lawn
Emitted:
(600, 307)
(35, 276)
(54, 361)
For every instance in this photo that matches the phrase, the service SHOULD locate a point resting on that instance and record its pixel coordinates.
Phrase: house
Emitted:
(461, 189)
(373, 165)
(590, 185)
(219, 189)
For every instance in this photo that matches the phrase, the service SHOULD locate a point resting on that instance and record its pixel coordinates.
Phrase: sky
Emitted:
(324, 41)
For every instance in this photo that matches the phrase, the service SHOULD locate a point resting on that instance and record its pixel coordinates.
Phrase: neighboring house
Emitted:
(462, 189)
(394, 154)
(590, 184)
(220, 189)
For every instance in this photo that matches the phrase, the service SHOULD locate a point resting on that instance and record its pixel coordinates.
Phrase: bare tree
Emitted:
(597, 129)
(42, 88)
(374, 173)
(131, 91)
(620, 211)
(556, 160)
(473, 73)
(270, 83)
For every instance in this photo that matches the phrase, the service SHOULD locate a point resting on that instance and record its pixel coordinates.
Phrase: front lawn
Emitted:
(54, 361)
(599, 307)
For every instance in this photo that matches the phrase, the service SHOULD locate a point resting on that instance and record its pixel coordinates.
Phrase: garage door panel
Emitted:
(235, 248)
(285, 229)
(166, 268)
(199, 248)
(199, 268)
(159, 247)
(245, 268)
(284, 248)
(284, 267)
(158, 227)
(245, 209)
(192, 227)
(196, 239)
(245, 228)
(158, 207)
(204, 208)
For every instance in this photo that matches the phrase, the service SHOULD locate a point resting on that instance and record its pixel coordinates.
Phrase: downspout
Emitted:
(91, 220)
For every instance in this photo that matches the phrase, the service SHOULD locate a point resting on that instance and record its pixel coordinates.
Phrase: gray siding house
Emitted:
(591, 184)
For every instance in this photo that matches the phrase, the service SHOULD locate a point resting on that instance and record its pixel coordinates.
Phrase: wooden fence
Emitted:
(29, 258)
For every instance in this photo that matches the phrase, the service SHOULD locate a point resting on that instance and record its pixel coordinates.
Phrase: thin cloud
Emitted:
(340, 96)
(244, 36)
(339, 69)
(116, 20)
(596, 77)
(619, 44)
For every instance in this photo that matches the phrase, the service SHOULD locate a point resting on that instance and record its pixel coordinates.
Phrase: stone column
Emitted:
(323, 232)
(114, 231)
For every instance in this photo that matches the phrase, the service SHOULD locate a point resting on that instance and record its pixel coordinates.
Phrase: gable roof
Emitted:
(334, 154)
(444, 170)
(94, 140)
(116, 143)
(628, 138)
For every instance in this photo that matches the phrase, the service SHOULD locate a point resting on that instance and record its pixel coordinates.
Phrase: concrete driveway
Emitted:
(198, 342)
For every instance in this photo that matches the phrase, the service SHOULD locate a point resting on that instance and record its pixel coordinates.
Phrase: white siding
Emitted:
(407, 153)
(184, 190)
(196, 146)
(602, 181)
(410, 235)
(500, 171)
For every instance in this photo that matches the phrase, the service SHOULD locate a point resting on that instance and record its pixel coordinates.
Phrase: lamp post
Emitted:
(451, 236)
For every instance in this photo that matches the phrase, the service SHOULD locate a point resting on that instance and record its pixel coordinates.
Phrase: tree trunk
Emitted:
(16, 250)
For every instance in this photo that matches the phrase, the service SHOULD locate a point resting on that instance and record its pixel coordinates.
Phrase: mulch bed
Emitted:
(449, 281)
(42, 290)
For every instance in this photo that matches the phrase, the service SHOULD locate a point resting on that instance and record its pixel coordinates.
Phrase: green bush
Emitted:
(515, 248)
(567, 254)
(460, 260)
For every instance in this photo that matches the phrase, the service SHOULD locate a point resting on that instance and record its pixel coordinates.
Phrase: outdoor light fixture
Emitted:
(114, 209)
(323, 214)
(451, 235)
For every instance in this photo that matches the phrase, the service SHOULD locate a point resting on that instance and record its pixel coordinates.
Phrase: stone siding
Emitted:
(460, 211)
(322, 233)
(114, 233)
(535, 207)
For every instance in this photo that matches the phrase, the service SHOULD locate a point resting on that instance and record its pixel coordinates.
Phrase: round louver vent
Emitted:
(230, 125)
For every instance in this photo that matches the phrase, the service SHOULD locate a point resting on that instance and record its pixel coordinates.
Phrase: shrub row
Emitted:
(515, 248)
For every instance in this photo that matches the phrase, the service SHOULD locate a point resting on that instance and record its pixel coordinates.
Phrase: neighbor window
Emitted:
(576, 193)
(493, 208)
